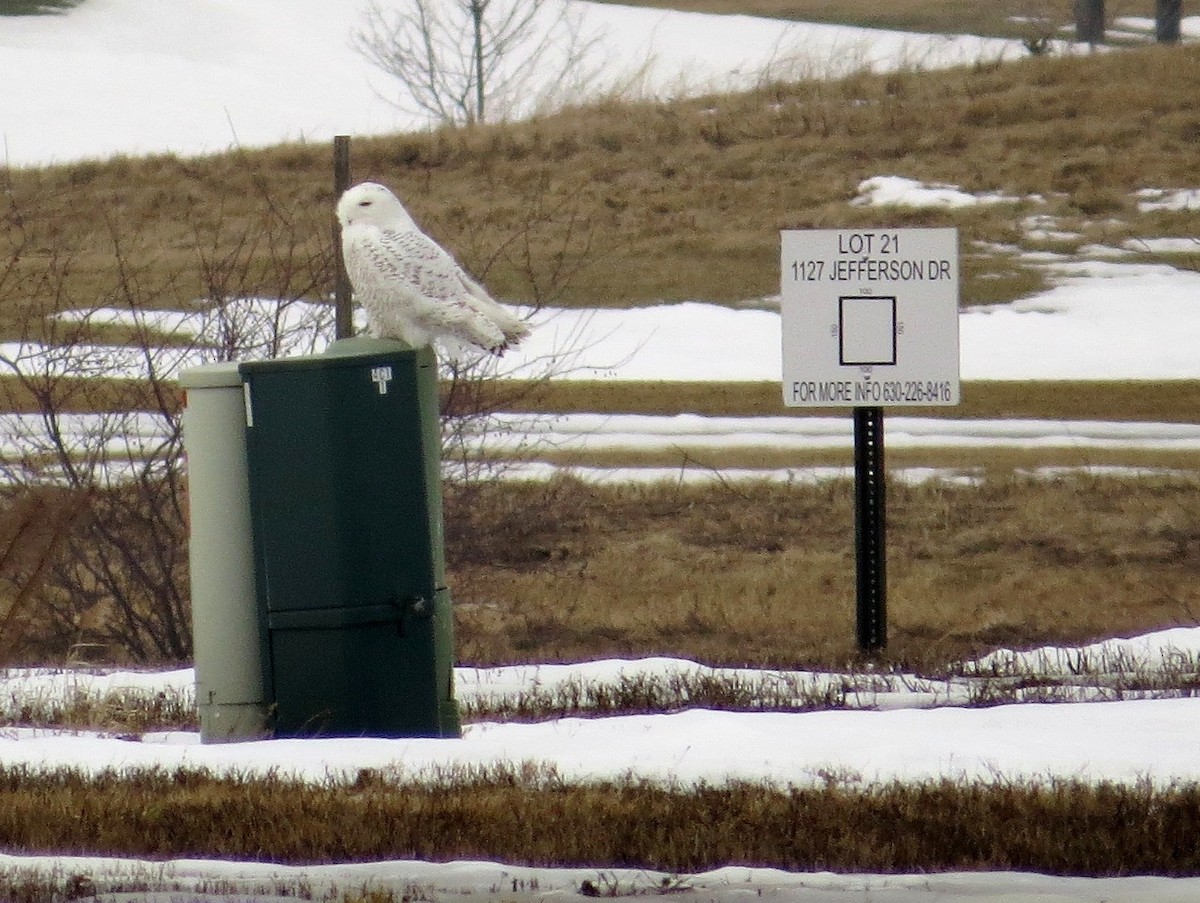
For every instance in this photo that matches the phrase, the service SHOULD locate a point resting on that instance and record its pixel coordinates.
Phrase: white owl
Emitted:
(411, 289)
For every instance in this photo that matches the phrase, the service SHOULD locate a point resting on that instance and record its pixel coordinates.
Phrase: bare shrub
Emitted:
(32, 525)
(105, 422)
(554, 243)
(100, 409)
(471, 61)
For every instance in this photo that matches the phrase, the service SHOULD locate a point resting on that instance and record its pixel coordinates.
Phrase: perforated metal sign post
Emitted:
(870, 318)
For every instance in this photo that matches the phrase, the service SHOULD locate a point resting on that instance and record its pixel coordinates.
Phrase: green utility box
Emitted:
(345, 500)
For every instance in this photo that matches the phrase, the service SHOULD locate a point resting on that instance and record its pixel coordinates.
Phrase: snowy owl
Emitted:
(410, 287)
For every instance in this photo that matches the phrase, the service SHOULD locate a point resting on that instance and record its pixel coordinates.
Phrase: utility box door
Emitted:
(352, 491)
(344, 472)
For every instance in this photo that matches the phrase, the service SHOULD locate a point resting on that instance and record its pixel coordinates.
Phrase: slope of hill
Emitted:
(646, 202)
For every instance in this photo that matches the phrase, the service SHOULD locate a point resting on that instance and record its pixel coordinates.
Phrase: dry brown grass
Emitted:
(1173, 401)
(531, 817)
(676, 201)
(670, 202)
(32, 527)
(760, 574)
(1021, 19)
(987, 17)
(85, 394)
(1147, 401)
(666, 201)
(968, 463)
(757, 574)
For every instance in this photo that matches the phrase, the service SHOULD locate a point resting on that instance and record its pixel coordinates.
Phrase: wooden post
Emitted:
(1167, 15)
(343, 316)
(1089, 21)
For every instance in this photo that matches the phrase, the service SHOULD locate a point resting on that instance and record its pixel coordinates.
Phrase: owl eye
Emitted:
(364, 203)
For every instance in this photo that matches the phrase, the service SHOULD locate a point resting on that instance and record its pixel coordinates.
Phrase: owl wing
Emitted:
(462, 300)
(411, 261)
(410, 268)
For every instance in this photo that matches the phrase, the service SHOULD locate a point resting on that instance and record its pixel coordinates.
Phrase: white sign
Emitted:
(870, 317)
(381, 376)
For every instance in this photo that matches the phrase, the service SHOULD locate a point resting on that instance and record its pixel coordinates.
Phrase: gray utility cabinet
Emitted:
(227, 646)
(345, 499)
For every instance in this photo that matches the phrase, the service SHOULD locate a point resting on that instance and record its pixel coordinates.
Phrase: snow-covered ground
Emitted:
(1107, 313)
(117, 76)
(885, 726)
(895, 727)
(192, 880)
(123, 77)
(202, 76)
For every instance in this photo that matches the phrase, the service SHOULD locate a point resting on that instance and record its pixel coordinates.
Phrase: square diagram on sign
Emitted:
(867, 329)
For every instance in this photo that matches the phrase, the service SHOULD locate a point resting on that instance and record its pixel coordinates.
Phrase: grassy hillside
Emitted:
(1003, 18)
(633, 203)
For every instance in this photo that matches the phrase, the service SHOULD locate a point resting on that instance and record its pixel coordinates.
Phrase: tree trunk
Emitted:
(1167, 15)
(478, 8)
(1089, 21)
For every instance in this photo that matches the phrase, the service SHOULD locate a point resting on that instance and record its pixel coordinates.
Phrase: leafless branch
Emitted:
(468, 61)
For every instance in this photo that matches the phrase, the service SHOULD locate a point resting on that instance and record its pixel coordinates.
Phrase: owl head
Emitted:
(372, 204)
